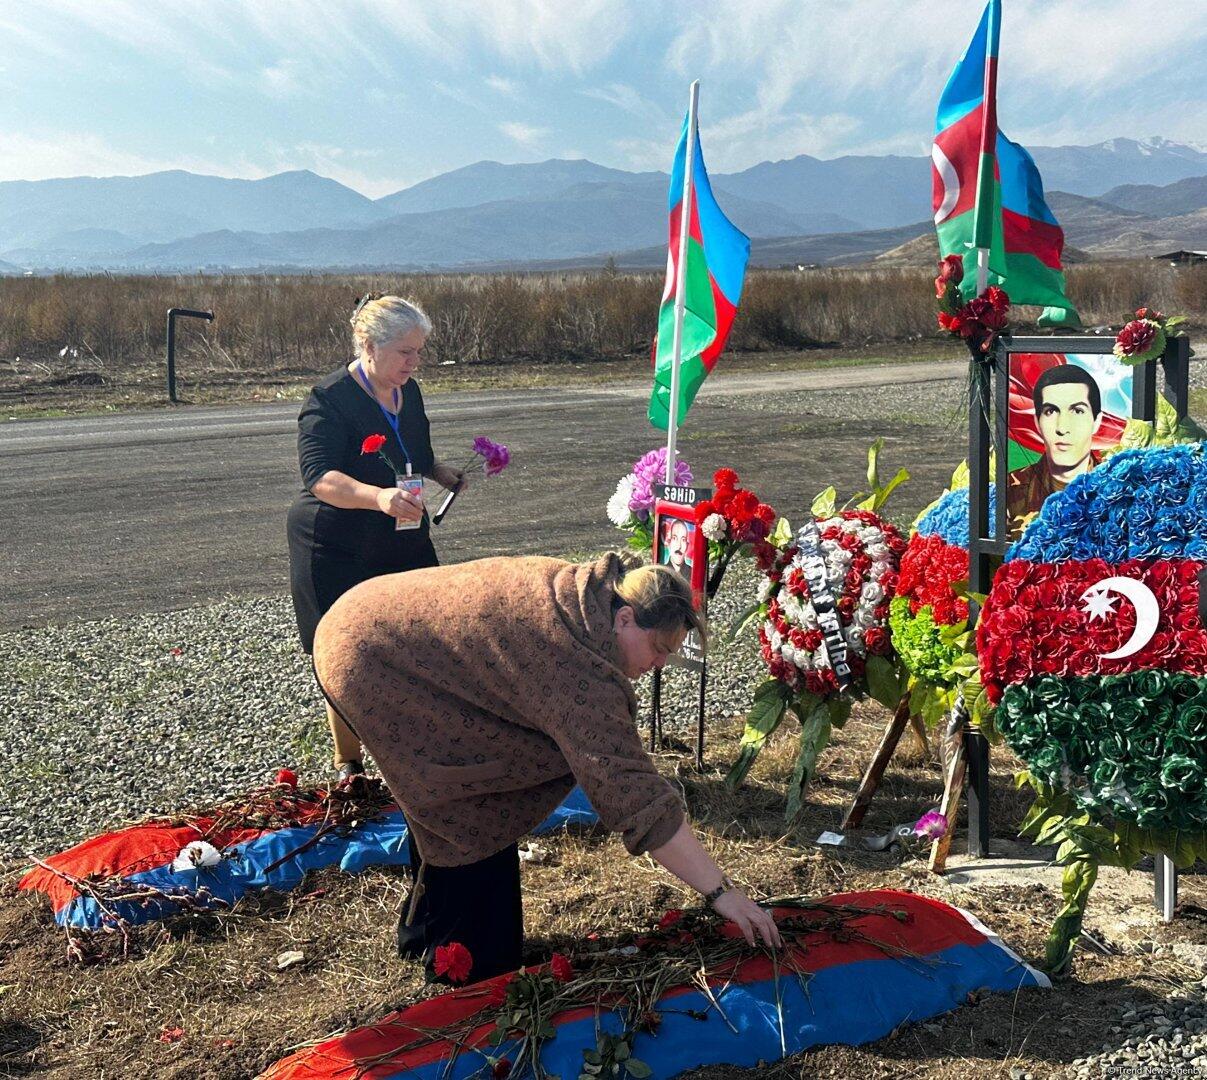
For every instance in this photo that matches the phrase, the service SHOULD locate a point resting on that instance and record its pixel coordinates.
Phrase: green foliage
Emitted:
(1168, 430)
(815, 725)
(879, 493)
(766, 713)
(612, 1058)
(887, 681)
(1084, 843)
(929, 652)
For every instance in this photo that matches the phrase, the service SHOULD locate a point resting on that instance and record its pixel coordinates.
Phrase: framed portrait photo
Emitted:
(1065, 411)
(679, 543)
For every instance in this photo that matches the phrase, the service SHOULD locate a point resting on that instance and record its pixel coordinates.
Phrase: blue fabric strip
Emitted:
(850, 1004)
(375, 843)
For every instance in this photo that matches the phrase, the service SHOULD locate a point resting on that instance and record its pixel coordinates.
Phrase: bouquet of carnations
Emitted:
(732, 521)
(981, 319)
(631, 506)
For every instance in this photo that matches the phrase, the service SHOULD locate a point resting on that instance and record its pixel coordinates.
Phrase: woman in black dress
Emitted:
(342, 526)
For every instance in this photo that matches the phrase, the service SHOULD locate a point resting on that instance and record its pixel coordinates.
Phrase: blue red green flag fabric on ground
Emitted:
(716, 264)
(987, 191)
(891, 970)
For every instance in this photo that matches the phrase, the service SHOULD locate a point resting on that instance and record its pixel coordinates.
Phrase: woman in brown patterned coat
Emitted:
(485, 691)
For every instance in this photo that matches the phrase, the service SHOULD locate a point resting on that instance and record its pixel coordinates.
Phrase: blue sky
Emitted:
(380, 95)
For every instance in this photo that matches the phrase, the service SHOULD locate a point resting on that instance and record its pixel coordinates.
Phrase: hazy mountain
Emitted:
(1096, 169)
(490, 181)
(1182, 197)
(556, 210)
(168, 205)
(873, 192)
(582, 220)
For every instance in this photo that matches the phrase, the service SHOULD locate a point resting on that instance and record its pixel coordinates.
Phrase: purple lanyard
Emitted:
(391, 417)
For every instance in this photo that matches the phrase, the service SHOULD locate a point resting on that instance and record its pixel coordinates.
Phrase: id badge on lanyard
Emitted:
(412, 482)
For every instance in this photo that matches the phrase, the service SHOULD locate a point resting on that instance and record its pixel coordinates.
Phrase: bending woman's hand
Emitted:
(400, 504)
(751, 919)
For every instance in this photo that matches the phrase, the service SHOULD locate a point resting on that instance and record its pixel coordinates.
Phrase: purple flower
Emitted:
(650, 469)
(932, 825)
(495, 456)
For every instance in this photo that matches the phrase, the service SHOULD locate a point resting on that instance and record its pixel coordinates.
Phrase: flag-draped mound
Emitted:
(854, 991)
(716, 262)
(988, 191)
(143, 855)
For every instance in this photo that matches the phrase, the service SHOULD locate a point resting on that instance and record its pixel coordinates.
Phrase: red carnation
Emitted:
(501, 1069)
(372, 444)
(1136, 338)
(287, 778)
(1149, 313)
(704, 509)
(498, 992)
(561, 967)
(725, 480)
(668, 920)
(951, 269)
(998, 300)
(454, 961)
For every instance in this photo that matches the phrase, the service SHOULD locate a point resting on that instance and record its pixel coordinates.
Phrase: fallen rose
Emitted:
(561, 967)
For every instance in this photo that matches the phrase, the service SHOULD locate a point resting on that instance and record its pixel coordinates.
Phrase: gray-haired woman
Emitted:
(342, 526)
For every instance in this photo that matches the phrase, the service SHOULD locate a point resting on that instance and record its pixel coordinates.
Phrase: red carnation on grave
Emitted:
(668, 920)
(287, 778)
(453, 961)
(498, 992)
(951, 269)
(561, 968)
(372, 444)
(1136, 337)
(1149, 313)
(725, 480)
(501, 1069)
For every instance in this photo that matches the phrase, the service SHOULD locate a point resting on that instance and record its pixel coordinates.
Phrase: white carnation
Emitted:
(871, 535)
(618, 505)
(765, 587)
(196, 855)
(788, 652)
(805, 660)
(713, 528)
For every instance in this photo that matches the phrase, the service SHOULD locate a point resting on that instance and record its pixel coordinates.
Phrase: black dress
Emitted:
(330, 549)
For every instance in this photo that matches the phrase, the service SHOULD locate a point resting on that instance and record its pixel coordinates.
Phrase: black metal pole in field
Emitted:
(172, 315)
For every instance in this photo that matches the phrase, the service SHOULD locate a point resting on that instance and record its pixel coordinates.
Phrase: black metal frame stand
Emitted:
(656, 715)
(989, 381)
(173, 315)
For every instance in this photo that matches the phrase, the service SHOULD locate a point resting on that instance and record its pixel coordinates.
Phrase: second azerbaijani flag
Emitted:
(716, 263)
(987, 189)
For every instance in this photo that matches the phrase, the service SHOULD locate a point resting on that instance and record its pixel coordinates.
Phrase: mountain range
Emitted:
(1112, 198)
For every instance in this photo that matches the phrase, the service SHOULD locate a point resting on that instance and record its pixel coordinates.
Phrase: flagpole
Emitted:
(983, 214)
(681, 281)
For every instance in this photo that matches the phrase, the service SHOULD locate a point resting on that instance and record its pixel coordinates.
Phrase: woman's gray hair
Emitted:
(386, 319)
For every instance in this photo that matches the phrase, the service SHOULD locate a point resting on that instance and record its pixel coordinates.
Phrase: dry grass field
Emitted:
(87, 343)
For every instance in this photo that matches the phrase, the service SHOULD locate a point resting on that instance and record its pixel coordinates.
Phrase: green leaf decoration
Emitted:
(1079, 878)
(840, 710)
(814, 737)
(781, 535)
(825, 503)
(638, 1069)
(884, 683)
(766, 713)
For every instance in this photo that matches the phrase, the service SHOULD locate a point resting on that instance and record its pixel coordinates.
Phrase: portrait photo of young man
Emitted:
(1068, 412)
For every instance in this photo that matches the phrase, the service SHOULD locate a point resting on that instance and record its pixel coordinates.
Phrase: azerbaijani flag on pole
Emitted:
(987, 191)
(712, 284)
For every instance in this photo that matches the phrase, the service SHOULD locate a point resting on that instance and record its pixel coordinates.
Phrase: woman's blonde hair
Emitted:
(382, 319)
(659, 597)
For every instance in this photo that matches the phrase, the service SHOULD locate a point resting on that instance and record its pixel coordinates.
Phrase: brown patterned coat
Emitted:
(483, 691)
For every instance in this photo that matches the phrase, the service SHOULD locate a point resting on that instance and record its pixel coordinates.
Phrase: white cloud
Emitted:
(527, 135)
(283, 80)
(501, 85)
